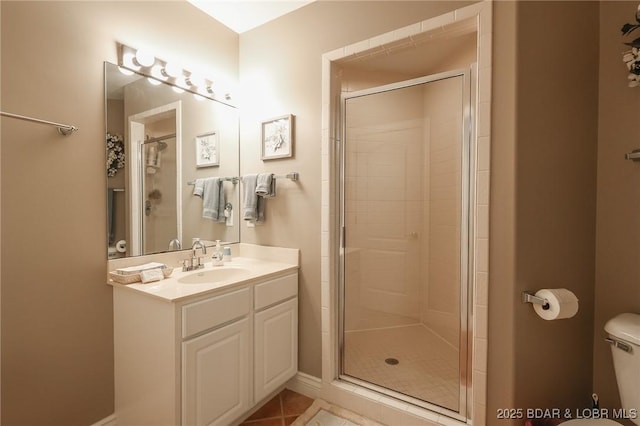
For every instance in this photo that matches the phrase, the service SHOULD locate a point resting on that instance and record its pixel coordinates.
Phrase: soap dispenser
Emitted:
(218, 255)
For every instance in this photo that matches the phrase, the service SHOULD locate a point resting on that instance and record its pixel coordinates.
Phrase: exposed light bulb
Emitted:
(173, 69)
(145, 58)
(125, 71)
(156, 72)
(202, 90)
(154, 81)
(128, 61)
(195, 79)
(181, 82)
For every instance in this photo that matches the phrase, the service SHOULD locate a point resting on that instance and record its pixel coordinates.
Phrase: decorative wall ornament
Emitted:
(632, 57)
(115, 154)
(277, 137)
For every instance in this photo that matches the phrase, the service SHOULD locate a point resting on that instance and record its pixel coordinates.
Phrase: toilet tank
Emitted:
(624, 331)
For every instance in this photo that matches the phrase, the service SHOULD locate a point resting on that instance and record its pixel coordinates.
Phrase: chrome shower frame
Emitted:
(467, 233)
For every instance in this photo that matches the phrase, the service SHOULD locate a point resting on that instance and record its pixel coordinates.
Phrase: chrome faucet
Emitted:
(175, 244)
(196, 244)
(194, 262)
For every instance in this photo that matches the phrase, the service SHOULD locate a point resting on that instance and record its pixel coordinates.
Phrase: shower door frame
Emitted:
(137, 136)
(466, 240)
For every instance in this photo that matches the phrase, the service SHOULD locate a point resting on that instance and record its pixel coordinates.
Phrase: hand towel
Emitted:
(266, 185)
(213, 198)
(198, 187)
(249, 197)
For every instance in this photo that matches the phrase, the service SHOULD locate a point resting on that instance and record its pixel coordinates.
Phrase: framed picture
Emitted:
(208, 150)
(277, 137)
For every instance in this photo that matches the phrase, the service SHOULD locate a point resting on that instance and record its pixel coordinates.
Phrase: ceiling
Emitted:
(244, 15)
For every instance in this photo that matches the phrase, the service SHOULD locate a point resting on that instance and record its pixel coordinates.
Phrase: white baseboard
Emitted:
(305, 384)
(107, 421)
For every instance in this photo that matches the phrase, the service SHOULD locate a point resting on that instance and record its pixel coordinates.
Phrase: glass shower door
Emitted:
(404, 260)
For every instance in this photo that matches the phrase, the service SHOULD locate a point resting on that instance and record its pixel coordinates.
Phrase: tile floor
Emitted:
(282, 410)
(427, 368)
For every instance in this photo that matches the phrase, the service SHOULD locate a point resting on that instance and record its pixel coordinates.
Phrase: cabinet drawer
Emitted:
(208, 313)
(273, 291)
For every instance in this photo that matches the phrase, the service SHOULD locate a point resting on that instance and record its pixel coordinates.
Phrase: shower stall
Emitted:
(158, 157)
(405, 217)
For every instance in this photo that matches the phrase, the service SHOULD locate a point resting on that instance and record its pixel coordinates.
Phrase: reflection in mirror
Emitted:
(153, 135)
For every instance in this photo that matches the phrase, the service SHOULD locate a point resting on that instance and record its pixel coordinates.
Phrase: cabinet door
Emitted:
(275, 346)
(215, 382)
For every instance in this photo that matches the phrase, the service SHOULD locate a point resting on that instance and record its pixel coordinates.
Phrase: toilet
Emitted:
(624, 336)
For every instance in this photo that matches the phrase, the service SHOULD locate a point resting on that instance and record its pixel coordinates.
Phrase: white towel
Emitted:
(213, 198)
(266, 185)
(252, 204)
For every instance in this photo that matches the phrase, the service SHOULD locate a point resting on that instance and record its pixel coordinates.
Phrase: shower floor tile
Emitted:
(427, 366)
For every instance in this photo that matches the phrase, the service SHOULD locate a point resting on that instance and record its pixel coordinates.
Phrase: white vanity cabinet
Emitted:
(275, 334)
(206, 359)
(215, 365)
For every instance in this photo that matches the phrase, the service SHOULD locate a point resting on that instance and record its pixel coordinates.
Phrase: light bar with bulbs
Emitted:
(159, 71)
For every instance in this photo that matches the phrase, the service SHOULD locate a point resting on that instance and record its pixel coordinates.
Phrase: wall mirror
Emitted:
(160, 141)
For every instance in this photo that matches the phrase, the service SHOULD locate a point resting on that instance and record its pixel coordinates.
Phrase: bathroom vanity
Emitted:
(204, 347)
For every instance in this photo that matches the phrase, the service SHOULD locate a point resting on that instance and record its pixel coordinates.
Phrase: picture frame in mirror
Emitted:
(207, 150)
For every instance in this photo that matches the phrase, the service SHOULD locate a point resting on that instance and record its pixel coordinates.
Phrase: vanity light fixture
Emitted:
(173, 70)
(128, 60)
(159, 71)
(144, 58)
(125, 71)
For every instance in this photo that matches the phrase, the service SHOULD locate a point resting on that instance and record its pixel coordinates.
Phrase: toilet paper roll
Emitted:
(121, 246)
(562, 304)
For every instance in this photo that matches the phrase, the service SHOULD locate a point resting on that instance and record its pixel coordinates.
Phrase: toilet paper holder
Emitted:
(530, 297)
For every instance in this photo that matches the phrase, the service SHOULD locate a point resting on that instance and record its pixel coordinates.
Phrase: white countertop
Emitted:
(172, 290)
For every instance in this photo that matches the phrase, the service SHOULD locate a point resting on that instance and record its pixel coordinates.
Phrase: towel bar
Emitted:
(63, 129)
(290, 175)
(233, 179)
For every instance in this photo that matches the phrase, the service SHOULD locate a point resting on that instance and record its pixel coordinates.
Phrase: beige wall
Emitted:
(57, 334)
(543, 196)
(618, 214)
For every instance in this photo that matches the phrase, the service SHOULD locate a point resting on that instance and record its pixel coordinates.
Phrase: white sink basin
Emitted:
(214, 275)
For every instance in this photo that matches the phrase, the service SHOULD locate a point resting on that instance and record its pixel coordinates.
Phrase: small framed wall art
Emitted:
(207, 150)
(277, 137)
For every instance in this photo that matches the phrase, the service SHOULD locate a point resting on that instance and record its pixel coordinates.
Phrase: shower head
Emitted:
(161, 144)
